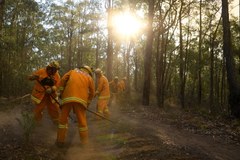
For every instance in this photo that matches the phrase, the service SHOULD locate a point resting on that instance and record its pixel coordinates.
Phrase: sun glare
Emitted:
(126, 24)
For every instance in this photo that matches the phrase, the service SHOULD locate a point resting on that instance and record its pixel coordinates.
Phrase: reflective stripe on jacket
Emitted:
(63, 126)
(38, 91)
(83, 129)
(77, 86)
(103, 88)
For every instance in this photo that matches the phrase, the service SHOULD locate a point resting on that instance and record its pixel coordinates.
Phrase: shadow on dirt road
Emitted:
(133, 135)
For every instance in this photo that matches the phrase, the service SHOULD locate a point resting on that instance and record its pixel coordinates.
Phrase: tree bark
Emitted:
(233, 83)
(181, 67)
(200, 57)
(2, 3)
(109, 62)
(148, 55)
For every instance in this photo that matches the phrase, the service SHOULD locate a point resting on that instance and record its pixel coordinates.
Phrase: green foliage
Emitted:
(74, 32)
(22, 34)
(28, 125)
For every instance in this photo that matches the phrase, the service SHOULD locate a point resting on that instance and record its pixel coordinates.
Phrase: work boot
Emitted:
(84, 137)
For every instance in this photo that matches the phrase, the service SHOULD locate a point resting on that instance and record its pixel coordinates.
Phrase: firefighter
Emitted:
(44, 92)
(122, 84)
(76, 92)
(114, 85)
(122, 89)
(103, 93)
(114, 89)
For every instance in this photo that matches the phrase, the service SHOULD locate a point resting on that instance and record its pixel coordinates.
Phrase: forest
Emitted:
(182, 53)
(176, 56)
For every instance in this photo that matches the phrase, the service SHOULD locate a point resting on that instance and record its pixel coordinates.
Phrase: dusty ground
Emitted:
(141, 133)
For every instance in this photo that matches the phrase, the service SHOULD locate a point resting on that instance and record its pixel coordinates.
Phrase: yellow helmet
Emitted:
(54, 64)
(88, 69)
(98, 71)
(116, 77)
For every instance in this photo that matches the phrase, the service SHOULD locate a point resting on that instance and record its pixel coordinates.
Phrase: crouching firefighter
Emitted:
(76, 92)
(44, 93)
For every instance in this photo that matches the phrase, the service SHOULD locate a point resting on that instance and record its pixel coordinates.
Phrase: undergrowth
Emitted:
(28, 125)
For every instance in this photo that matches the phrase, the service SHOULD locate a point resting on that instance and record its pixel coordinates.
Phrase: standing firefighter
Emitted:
(76, 92)
(114, 88)
(103, 93)
(122, 84)
(44, 91)
(114, 85)
(122, 89)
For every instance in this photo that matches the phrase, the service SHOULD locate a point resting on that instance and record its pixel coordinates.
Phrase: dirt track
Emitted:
(136, 134)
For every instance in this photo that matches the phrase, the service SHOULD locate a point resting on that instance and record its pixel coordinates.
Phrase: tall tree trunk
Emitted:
(234, 90)
(109, 62)
(186, 58)
(97, 51)
(159, 69)
(148, 55)
(70, 52)
(222, 85)
(136, 70)
(79, 45)
(2, 3)
(200, 57)
(70, 40)
(128, 87)
(212, 84)
(181, 67)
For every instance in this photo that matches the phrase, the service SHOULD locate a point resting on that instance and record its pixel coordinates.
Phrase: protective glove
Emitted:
(49, 91)
(54, 88)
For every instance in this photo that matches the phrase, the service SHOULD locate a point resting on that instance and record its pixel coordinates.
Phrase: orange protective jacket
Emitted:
(77, 86)
(38, 91)
(122, 85)
(114, 86)
(103, 88)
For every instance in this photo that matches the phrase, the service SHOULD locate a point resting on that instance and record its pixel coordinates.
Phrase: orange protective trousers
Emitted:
(53, 109)
(80, 112)
(102, 108)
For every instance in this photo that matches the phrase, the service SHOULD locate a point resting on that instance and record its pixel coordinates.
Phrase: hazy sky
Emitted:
(234, 8)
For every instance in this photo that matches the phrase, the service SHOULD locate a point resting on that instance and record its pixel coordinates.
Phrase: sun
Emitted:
(126, 24)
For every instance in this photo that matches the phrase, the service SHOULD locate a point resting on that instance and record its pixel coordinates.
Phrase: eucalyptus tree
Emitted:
(98, 37)
(63, 19)
(109, 63)
(197, 63)
(233, 80)
(214, 49)
(74, 32)
(148, 54)
(181, 66)
(165, 25)
(21, 27)
(200, 55)
(2, 6)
